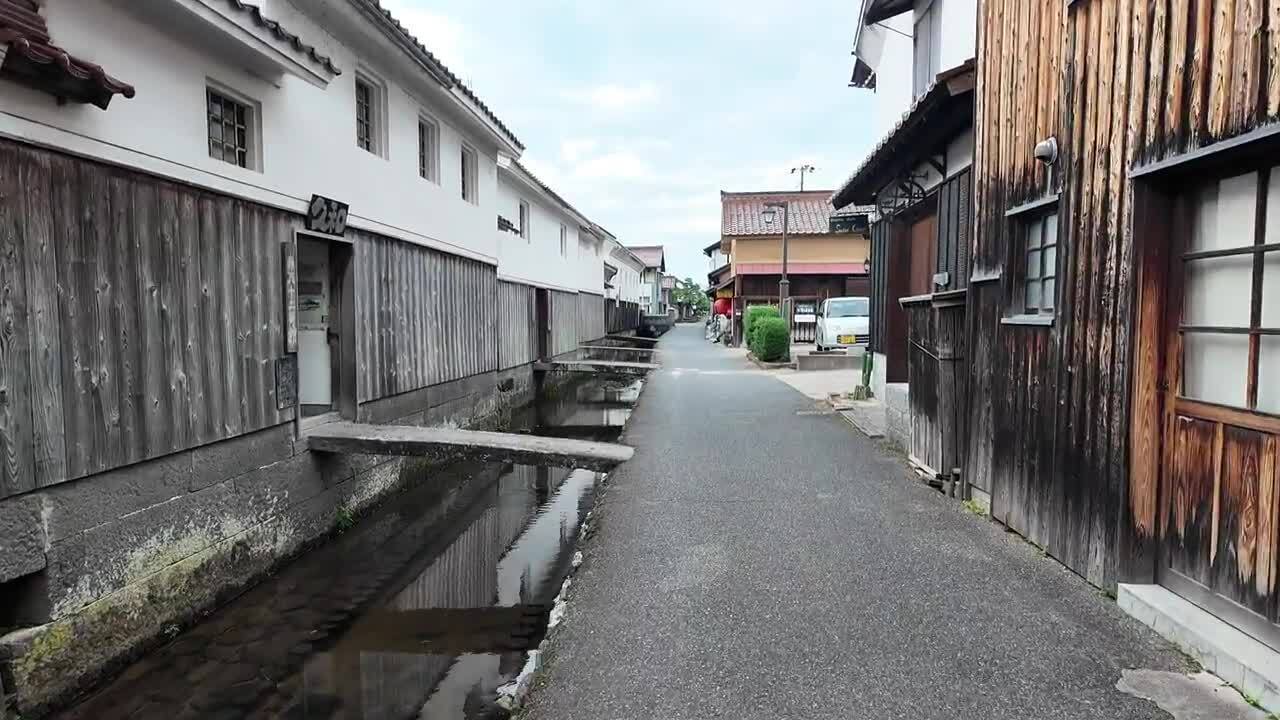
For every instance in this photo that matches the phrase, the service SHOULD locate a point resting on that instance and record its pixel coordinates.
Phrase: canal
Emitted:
(423, 608)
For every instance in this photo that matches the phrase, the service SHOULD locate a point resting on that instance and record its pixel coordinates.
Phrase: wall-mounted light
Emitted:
(1047, 151)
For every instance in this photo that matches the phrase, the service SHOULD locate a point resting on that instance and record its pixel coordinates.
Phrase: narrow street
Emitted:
(757, 560)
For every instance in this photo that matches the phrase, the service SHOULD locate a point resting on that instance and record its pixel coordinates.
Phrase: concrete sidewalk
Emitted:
(758, 560)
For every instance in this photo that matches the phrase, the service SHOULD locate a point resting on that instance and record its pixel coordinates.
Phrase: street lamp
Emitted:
(769, 214)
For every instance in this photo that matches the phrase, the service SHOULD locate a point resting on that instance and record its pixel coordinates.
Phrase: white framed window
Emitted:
(564, 241)
(524, 220)
(469, 176)
(1230, 324)
(371, 115)
(233, 128)
(428, 149)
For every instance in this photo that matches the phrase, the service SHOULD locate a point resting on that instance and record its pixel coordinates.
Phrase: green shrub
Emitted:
(754, 313)
(773, 341)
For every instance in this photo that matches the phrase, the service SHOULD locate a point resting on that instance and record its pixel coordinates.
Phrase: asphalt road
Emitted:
(754, 560)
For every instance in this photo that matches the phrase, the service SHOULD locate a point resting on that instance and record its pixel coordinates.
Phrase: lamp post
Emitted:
(769, 213)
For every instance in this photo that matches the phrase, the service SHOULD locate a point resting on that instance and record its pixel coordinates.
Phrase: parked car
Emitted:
(843, 322)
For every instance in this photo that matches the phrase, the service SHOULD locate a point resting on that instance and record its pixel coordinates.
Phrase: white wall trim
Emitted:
(23, 130)
(536, 283)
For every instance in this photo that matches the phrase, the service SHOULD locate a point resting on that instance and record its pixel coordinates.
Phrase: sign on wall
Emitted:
(289, 283)
(286, 381)
(327, 216)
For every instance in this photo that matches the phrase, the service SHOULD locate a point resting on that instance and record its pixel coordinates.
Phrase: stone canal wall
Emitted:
(135, 553)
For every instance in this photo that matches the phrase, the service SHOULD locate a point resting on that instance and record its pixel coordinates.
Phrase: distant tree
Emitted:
(688, 292)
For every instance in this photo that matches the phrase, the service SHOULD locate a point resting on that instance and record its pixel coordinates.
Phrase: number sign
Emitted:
(327, 216)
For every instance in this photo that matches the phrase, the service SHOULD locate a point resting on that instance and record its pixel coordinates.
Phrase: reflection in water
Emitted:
(423, 610)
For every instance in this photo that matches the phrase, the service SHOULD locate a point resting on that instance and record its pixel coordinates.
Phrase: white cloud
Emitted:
(575, 149)
(616, 165)
(443, 36)
(611, 97)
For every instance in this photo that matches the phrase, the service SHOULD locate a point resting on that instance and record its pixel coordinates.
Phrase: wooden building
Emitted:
(919, 180)
(827, 251)
(1124, 303)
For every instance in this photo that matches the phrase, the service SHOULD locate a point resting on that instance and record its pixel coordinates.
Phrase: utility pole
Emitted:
(803, 170)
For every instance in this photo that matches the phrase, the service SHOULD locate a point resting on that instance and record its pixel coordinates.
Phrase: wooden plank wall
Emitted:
(1121, 83)
(141, 317)
(955, 226)
(426, 317)
(880, 233)
(517, 319)
(590, 317)
(622, 316)
(564, 322)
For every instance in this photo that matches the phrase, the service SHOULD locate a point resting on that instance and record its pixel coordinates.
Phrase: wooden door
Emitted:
(924, 255)
(542, 318)
(1220, 476)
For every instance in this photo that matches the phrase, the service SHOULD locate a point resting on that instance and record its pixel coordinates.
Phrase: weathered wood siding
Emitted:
(880, 233)
(564, 322)
(140, 317)
(425, 317)
(621, 316)
(517, 325)
(1121, 84)
(590, 317)
(955, 227)
(937, 380)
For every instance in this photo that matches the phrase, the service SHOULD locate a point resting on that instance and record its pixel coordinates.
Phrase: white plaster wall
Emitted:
(626, 283)
(589, 266)
(959, 155)
(959, 31)
(536, 260)
(308, 133)
(893, 76)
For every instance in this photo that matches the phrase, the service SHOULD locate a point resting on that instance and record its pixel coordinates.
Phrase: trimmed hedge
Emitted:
(772, 340)
(755, 313)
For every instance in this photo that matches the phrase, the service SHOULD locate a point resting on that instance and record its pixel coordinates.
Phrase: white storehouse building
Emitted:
(222, 223)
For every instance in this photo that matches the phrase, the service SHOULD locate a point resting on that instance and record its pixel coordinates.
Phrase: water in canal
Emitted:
(423, 609)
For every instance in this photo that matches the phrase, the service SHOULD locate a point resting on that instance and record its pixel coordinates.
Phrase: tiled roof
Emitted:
(284, 35)
(742, 214)
(650, 255)
(431, 59)
(33, 59)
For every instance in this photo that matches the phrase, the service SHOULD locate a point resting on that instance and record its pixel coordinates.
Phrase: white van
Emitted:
(843, 322)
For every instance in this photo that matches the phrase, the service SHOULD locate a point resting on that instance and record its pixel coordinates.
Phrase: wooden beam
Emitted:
(445, 444)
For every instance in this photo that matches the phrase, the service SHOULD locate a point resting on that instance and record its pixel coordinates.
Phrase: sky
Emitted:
(640, 113)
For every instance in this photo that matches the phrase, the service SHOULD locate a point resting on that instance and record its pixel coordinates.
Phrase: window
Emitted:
(1231, 293)
(370, 114)
(524, 220)
(428, 150)
(564, 241)
(231, 130)
(1040, 267)
(468, 166)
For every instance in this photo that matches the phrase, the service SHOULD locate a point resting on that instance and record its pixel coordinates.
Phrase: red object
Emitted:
(34, 60)
(722, 306)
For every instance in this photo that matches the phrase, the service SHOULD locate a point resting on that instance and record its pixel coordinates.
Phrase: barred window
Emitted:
(428, 150)
(230, 129)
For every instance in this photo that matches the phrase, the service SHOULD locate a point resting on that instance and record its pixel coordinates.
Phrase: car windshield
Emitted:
(849, 307)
